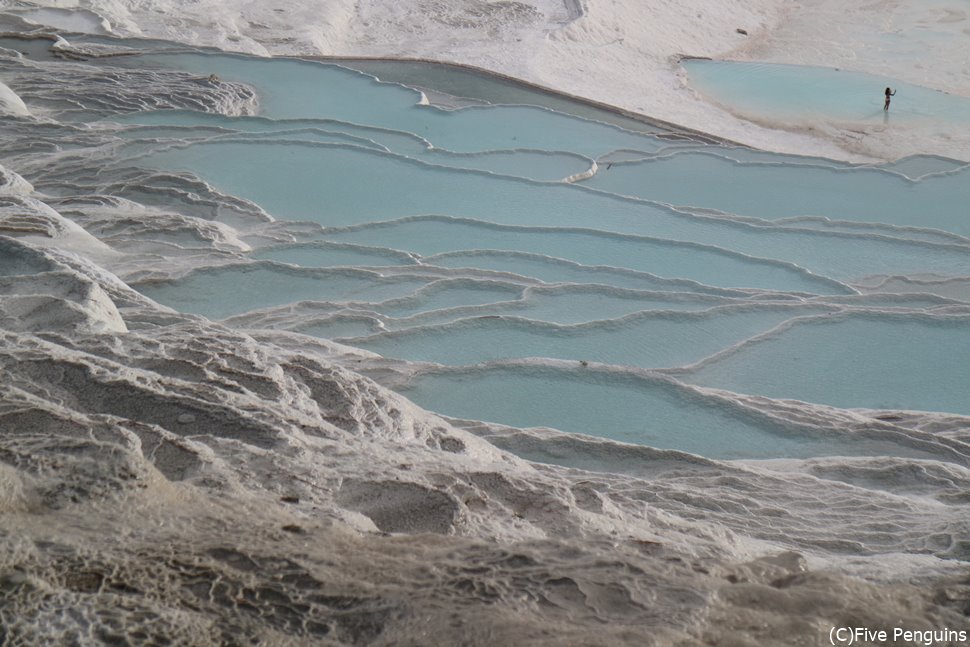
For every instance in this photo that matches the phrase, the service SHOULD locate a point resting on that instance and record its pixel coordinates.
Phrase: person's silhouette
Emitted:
(889, 93)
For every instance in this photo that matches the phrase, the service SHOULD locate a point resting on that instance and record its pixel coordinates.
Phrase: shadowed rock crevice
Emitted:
(400, 507)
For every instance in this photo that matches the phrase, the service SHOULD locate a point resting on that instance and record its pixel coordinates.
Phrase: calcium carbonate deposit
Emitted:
(358, 352)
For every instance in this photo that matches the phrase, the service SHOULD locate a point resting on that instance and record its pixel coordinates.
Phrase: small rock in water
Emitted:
(186, 418)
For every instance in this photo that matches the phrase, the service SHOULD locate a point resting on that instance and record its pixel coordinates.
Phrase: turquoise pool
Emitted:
(541, 268)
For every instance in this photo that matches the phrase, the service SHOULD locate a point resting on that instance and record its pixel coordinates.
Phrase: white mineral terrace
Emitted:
(290, 355)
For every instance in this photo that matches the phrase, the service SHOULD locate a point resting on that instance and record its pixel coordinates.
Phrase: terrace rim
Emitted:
(674, 129)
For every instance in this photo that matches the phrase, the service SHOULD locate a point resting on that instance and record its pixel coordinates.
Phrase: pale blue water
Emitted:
(713, 266)
(537, 164)
(648, 340)
(773, 191)
(449, 237)
(574, 304)
(882, 362)
(293, 180)
(633, 409)
(221, 292)
(451, 293)
(294, 89)
(451, 300)
(561, 271)
(325, 254)
(797, 92)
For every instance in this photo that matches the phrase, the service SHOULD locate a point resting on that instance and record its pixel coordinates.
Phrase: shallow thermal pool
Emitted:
(796, 92)
(522, 265)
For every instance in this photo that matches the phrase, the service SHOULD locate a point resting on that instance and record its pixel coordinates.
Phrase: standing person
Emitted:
(889, 93)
